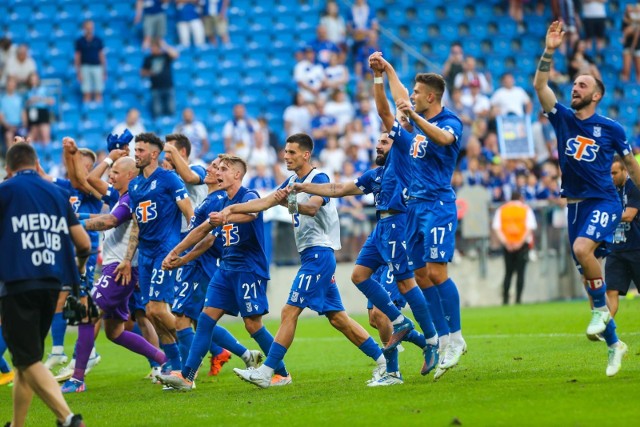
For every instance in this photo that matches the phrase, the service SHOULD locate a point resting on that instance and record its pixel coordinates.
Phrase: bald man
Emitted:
(110, 296)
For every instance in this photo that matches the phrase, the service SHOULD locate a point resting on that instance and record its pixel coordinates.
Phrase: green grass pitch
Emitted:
(526, 365)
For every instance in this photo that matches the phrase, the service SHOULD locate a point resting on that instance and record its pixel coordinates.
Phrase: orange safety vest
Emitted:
(513, 219)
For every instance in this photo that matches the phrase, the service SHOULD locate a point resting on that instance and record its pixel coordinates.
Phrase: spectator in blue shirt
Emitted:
(12, 116)
(90, 63)
(154, 19)
(323, 47)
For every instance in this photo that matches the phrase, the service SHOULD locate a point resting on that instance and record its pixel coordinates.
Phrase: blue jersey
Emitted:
(83, 203)
(586, 149)
(627, 234)
(154, 202)
(213, 203)
(388, 183)
(431, 165)
(153, 7)
(111, 197)
(35, 218)
(243, 244)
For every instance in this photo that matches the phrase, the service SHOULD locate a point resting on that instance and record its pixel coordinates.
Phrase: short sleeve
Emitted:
(63, 183)
(122, 212)
(200, 171)
(176, 187)
(321, 178)
(249, 195)
(453, 126)
(111, 196)
(365, 181)
(620, 142)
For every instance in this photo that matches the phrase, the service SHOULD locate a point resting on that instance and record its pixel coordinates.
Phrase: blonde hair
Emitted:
(234, 161)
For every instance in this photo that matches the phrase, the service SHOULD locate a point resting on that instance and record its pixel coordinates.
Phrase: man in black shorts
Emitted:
(38, 224)
(622, 266)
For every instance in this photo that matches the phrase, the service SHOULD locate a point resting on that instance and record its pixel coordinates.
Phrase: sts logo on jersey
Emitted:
(146, 211)
(419, 146)
(582, 148)
(75, 203)
(230, 234)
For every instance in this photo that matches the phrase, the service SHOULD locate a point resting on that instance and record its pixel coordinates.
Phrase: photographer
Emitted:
(38, 223)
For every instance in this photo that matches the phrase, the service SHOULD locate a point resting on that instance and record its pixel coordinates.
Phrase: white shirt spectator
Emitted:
(332, 159)
(241, 134)
(20, 70)
(479, 103)
(196, 132)
(510, 101)
(297, 119)
(311, 75)
(341, 109)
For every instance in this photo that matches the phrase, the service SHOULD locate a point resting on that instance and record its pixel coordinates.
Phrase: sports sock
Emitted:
(58, 329)
(379, 297)
(450, 303)
(83, 349)
(200, 346)
(224, 339)
(4, 367)
(392, 360)
(172, 351)
(185, 338)
(136, 330)
(138, 344)
(371, 349)
(418, 304)
(435, 308)
(275, 356)
(416, 338)
(215, 349)
(597, 289)
(609, 333)
(264, 339)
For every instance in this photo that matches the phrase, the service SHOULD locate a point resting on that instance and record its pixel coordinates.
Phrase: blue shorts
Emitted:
(136, 301)
(431, 231)
(384, 276)
(191, 288)
(594, 219)
(386, 246)
(315, 284)
(620, 269)
(156, 284)
(238, 292)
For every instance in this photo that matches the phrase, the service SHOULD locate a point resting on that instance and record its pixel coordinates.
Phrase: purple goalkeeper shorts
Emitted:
(111, 296)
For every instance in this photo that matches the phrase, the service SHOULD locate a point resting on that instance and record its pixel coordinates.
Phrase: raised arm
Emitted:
(379, 93)
(181, 165)
(94, 178)
(540, 81)
(332, 189)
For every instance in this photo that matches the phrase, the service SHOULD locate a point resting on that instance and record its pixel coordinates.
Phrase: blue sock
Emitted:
(275, 356)
(371, 349)
(418, 304)
(435, 308)
(609, 333)
(599, 293)
(172, 351)
(58, 329)
(392, 360)
(200, 345)
(215, 349)
(224, 339)
(416, 338)
(185, 338)
(4, 367)
(264, 339)
(379, 297)
(450, 303)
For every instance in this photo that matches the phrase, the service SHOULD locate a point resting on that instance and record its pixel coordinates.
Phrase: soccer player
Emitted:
(622, 267)
(385, 246)
(317, 233)
(31, 276)
(112, 297)
(84, 203)
(158, 197)
(194, 276)
(433, 149)
(240, 283)
(587, 143)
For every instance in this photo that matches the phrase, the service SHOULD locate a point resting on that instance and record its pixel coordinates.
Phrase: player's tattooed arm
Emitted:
(633, 168)
(331, 189)
(553, 40)
(101, 222)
